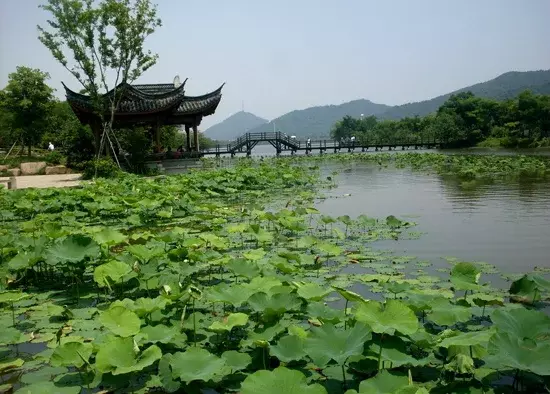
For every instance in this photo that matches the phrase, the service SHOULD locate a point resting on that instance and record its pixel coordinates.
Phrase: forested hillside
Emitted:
(317, 121)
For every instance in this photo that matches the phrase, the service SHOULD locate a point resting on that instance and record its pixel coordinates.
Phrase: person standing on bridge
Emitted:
(308, 143)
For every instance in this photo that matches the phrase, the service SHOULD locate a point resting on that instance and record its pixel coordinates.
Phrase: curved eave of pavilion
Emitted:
(204, 105)
(167, 102)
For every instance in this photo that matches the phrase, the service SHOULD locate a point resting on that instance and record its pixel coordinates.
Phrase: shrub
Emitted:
(101, 168)
(54, 157)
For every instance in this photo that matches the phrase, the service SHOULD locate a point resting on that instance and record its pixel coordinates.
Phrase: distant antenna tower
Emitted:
(177, 81)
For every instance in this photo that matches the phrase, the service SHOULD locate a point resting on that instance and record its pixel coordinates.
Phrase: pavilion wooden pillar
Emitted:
(196, 137)
(156, 134)
(188, 137)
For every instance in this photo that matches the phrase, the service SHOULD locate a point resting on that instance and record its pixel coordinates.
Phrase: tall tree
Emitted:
(27, 98)
(101, 43)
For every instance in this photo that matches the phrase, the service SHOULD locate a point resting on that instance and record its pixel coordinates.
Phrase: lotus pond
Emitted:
(236, 280)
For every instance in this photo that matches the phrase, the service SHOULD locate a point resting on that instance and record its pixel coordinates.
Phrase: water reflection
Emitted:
(505, 223)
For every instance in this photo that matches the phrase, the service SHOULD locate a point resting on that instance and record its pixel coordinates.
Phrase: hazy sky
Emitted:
(282, 55)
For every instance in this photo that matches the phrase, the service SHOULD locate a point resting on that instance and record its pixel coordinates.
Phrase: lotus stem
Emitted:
(194, 324)
(380, 353)
(13, 313)
(264, 358)
(344, 375)
(345, 314)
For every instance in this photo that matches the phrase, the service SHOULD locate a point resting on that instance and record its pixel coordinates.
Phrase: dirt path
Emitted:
(41, 181)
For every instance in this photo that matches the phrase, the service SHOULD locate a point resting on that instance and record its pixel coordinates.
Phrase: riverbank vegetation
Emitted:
(464, 120)
(187, 283)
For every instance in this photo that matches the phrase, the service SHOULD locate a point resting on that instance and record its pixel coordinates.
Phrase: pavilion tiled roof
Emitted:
(143, 99)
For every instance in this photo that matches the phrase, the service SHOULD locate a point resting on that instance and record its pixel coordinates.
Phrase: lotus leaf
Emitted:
(145, 306)
(159, 333)
(73, 248)
(446, 314)
(465, 276)
(71, 354)
(311, 291)
(507, 351)
(234, 294)
(289, 348)
(121, 321)
(349, 295)
(522, 323)
(229, 322)
(113, 271)
(196, 364)
(236, 361)
(387, 318)
(48, 388)
(461, 364)
(327, 343)
(530, 286)
(119, 356)
(12, 296)
(472, 338)
(276, 304)
(384, 383)
(9, 365)
(108, 236)
(281, 380)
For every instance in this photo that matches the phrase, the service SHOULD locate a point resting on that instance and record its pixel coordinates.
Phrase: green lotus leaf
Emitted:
(159, 333)
(12, 336)
(9, 365)
(396, 351)
(387, 318)
(325, 313)
(530, 286)
(472, 338)
(12, 296)
(311, 291)
(281, 380)
(109, 236)
(71, 354)
(112, 271)
(234, 295)
(289, 348)
(261, 284)
(146, 306)
(446, 314)
(118, 356)
(329, 249)
(48, 388)
(349, 295)
(254, 255)
(245, 268)
(327, 343)
(276, 304)
(229, 322)
(461, 364)
(465, 276)
(73, 248)
(236, 361)
(143, 253)
(196, 364)
(522, 323)
(483, 299)
(44, 374)
(121, 321)
(506, 351)
(385, 382)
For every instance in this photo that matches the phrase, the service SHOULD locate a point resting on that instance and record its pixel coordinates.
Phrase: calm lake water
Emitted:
(504, 223)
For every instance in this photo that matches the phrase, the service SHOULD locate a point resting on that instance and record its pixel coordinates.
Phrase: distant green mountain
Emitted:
(317, 121)
(503, 87)
(234, 126)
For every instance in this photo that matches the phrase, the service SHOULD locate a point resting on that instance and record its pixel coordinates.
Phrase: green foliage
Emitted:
(189, 284)
(54, 157)
(103, 167)
(463, 120)
(25, 103)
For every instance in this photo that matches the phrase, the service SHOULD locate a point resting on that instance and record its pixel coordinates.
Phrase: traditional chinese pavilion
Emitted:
(150, 105)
